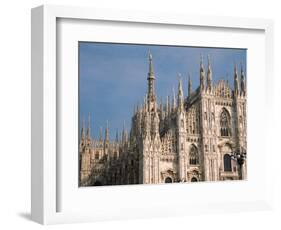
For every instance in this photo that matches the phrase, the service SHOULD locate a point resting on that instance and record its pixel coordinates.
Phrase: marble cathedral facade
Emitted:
(186, 139)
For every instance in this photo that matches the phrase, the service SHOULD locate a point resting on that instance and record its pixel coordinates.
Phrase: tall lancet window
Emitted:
(225, 123)
(193, 156)
(227, 163)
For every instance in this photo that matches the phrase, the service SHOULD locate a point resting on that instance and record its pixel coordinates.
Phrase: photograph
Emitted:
(156, 114)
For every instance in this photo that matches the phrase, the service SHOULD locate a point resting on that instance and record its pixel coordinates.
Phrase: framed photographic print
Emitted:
(140, 114)
(196, 134)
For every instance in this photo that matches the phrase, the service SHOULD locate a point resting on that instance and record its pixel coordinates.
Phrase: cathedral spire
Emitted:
(236, 81)
(180, 95)
(168, 105)
(138, 108)
(161, 108)
(100, 134)
(150, 79)
(243, 83)
(174, 100)
(117, 136)
(106, 138)
(89, 130)
(151, 69)
(209, 74)
(126, 136)
(202, 74)
(83, 130)
(123, 133)
(227, 79)
(189, 86)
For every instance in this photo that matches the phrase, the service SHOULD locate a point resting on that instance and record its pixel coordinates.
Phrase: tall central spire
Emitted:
(150, 78)
(209, 74)
(180, 95)
(202, 74)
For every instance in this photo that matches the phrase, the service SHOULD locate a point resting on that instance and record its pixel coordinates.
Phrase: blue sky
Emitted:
(112, 77)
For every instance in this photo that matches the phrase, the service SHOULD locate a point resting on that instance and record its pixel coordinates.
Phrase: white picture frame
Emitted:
(46, 182)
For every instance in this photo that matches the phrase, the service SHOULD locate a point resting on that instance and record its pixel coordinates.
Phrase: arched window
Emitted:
(168, 180)
(193, 156)
(206, 148)
(227, 163)
(225, 123)
(194, 179)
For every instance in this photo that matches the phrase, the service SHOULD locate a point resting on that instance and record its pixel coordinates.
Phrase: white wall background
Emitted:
(15, 112)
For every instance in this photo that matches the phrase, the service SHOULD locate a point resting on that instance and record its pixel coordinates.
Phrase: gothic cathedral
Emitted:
(186, 139)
